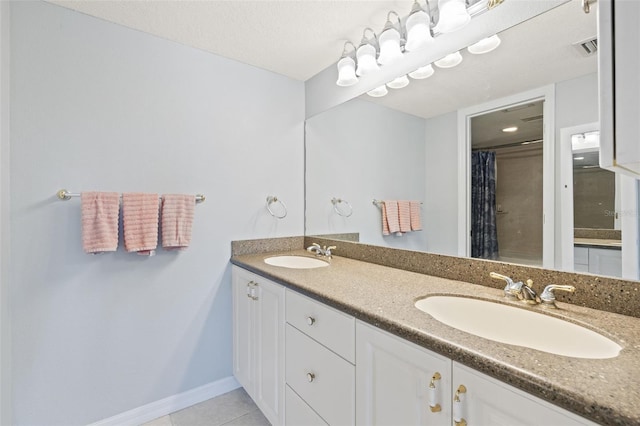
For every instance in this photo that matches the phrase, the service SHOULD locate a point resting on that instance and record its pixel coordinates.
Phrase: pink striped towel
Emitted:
(177, 220)
(416, 222)
(404, 216)
(140, 220)
(390, 212)
(99, 211)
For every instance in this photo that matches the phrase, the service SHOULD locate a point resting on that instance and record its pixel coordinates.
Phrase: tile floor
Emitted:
(234, 408)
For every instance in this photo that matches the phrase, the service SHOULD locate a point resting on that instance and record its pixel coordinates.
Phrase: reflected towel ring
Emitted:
(336, 201)
(272, 199)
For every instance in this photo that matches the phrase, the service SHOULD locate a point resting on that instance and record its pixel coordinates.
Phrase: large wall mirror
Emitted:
(406, 147)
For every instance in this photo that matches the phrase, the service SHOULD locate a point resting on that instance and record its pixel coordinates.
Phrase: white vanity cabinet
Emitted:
(618, 70)
(258, 341)
(487, 401)
(601, 261)
(393, 379)
(320, 374)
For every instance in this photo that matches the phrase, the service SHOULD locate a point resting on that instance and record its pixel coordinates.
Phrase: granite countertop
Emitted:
(606, 391)
(598, 242)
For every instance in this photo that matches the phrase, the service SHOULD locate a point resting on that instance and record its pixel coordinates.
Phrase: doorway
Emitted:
(511, 138)
(524, 205)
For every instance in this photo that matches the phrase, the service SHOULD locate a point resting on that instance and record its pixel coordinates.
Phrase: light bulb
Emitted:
(449, 61)
(378, 91)
(422, 72)
(346, 72)
(453, 15)
(398, 83)
(418, 31)
(485, 45)
(366, 55)
(389, 46)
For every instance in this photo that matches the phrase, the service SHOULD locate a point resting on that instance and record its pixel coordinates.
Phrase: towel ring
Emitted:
(336, 201)
(272, 199)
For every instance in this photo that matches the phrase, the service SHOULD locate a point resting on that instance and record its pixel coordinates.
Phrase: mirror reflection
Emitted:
(405, 147)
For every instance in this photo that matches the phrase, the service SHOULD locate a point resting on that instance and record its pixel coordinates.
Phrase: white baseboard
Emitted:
(170, 404)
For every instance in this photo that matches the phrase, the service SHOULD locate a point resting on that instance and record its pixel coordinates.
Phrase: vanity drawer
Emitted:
(328, 326)
(321, 378)
(297, 412)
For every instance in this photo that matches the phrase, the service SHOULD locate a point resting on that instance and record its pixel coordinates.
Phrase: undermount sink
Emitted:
(518, 326)
(296, 262)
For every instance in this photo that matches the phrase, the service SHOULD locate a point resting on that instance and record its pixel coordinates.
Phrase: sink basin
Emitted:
(296, 262)
(518, 326)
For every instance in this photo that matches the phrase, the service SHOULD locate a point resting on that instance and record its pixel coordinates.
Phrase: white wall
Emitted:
(359, 151)
(441, 200)
(96, 106)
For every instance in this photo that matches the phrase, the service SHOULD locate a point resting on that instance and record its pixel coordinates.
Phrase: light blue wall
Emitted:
(359, 151)
(96, 106)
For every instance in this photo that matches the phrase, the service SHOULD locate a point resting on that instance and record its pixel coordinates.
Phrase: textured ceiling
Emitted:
(294, 38)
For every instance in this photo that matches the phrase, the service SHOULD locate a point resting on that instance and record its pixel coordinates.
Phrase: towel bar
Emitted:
(63, 194)
(380, 202)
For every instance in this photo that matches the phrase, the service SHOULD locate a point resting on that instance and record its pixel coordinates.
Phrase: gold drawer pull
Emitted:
(310, 377)
(457, 407)
(434, 406)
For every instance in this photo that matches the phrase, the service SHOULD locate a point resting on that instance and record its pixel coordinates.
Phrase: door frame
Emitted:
(545, 93)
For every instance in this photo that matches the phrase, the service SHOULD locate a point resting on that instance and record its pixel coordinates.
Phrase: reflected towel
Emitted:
(99, 212)
(390, 213)
(177, 220)
(416, 221)
(140, 220)
(404, 216)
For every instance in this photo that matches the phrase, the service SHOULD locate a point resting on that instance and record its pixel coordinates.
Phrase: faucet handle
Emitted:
(511, 289)
(549, 298)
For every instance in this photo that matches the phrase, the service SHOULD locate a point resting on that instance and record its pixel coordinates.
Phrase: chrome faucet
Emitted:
(321, 251)
(522, 291)
(548, 298)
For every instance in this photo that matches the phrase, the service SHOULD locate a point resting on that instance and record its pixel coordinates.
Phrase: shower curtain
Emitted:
(484, 234)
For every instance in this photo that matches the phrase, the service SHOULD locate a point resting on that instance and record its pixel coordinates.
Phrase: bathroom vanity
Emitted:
(344, 344)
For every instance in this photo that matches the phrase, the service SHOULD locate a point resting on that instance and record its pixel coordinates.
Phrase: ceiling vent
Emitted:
(587, 47)
(532, 118)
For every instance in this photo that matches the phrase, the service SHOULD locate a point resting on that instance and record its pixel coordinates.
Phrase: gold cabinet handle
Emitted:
(310, 377)
(311, 321)
(251, 290)
(457, 407)
(434, 406)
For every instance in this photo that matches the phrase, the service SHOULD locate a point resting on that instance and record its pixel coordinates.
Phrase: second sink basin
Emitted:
(295, 262)
(517, 326)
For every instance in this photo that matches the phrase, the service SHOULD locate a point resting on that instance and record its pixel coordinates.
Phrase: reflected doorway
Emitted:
(507, 184)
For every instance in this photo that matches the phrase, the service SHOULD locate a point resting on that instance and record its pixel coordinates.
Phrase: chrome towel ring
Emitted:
(348, 211)
(273, 199)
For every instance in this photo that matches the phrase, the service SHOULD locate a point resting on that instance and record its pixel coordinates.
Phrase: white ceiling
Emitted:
(300, 38)
(296, 38)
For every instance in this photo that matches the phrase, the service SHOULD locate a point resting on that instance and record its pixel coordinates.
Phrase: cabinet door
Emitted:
(618, 69)
(490, 402)
(258, 341)
(242, 329)
(269, 350)
(393, 378)
(605, 262)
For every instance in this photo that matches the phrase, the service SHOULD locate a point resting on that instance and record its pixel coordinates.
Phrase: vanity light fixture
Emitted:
(347, 67)
(418, 27)
(422, 72)
(398, 83)
(366, 54)
(578, 158)
(510, 129)
(390, 41)
(453, 15)
(449, 61)
(378, 92)
(485, 45)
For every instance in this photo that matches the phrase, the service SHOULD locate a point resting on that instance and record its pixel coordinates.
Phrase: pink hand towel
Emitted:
(177, 220)
(140, 220)
(385, 222)
(99, 211)
(404, 216)
(416, 222)
(391, 210)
